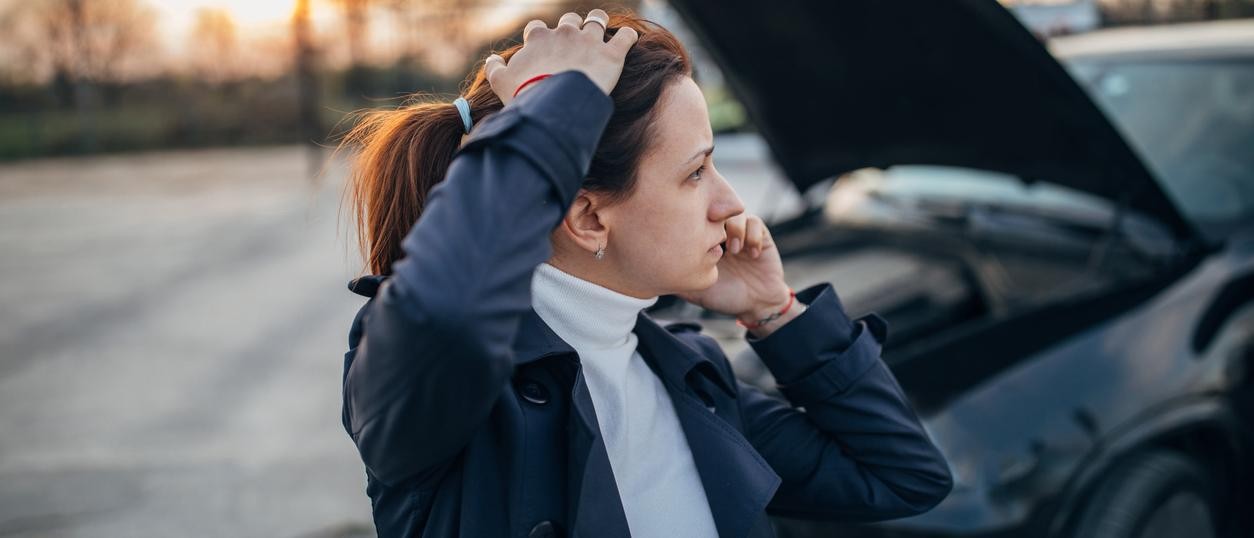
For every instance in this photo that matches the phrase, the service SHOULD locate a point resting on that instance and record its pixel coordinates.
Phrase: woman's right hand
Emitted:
(576, 43)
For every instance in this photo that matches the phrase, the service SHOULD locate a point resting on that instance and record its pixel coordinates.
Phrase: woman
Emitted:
(503, 379)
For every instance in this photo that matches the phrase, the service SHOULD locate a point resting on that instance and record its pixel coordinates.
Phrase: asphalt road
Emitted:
(171, 343)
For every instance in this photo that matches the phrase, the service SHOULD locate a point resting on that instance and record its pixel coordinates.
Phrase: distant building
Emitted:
(1050, 18)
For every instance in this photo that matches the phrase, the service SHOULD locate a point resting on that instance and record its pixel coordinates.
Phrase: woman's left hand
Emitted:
(750, 274)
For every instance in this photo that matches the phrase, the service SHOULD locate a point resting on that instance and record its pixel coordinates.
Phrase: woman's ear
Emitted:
(583, 224)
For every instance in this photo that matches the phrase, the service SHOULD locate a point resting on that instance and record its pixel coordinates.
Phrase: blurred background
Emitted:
(173, 260)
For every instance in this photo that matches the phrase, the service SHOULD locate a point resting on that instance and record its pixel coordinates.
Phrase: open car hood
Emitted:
(834, 86)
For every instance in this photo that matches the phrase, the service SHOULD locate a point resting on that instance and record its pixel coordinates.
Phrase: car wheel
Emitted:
(1156, 494)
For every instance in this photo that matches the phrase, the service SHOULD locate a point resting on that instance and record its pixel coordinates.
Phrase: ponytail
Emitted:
(401, 155)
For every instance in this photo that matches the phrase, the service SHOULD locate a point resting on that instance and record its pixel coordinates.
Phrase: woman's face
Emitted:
(659, 240)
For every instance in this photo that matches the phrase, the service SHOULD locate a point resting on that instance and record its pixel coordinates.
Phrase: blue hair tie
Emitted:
(463, 108)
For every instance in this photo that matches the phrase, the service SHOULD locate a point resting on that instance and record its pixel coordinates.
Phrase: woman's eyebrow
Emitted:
(705, 151)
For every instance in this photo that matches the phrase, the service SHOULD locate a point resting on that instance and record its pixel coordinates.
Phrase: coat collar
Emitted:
(675, 359)
(535, 340)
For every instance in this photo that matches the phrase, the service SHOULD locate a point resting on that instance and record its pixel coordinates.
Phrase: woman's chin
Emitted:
(709, 278)
(698, 281)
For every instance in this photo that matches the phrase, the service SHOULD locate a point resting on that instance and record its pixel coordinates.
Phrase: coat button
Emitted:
(543, 529)
(535, 393)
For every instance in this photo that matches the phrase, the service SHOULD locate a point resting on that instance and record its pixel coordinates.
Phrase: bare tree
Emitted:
(404, 17)
(356, 24)
(102, 41)
(214, 46)
(84, 45)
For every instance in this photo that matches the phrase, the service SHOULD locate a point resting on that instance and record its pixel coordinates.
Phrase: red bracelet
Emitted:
(536, 78)
(759, 323)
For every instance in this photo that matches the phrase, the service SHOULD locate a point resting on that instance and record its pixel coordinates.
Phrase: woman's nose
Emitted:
(726, 203)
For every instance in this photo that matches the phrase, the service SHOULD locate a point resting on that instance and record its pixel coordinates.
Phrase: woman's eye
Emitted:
(697, 175)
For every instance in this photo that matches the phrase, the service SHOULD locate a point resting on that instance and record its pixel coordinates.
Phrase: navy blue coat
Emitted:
(472, 416)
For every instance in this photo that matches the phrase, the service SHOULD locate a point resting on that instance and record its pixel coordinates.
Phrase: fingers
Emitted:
(600, 16)
(622, 41)
(571, 45)
(747, 234)
(492, 68)
(735, 227)
(533, 25)
(571, 19)
(596, 22)
(755, 236)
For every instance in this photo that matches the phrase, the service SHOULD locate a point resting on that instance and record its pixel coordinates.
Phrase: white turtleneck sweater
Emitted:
(653, 467)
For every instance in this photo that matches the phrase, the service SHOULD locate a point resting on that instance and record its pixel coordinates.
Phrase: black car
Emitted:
(1065, 255)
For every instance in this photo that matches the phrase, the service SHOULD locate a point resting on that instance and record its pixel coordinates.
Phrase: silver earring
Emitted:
(600, 252)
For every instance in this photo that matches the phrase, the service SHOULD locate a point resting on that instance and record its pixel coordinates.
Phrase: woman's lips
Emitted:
(716, 249)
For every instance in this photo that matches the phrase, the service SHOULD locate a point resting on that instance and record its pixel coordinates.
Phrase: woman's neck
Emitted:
(599, 272)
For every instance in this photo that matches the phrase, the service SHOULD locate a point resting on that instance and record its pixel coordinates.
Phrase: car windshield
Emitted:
(1192, 121)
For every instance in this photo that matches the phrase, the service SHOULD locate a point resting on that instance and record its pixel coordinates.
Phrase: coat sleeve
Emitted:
(857, 451)
(434, 343)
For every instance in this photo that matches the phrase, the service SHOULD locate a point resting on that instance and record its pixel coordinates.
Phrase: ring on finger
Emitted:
(597, 19)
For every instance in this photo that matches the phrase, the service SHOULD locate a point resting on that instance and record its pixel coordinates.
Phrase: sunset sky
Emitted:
(181, 13)
(440, 32)
(176, 18)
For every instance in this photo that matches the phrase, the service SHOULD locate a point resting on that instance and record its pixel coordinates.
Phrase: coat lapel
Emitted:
(738, 482)
(593, 504)
(596, 508)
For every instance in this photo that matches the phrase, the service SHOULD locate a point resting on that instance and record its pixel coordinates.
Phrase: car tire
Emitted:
(1156, 494)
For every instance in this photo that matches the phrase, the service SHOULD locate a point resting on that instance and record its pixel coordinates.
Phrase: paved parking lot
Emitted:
(170, 348)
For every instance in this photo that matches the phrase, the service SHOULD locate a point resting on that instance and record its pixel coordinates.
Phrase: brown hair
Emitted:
(403, 153)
